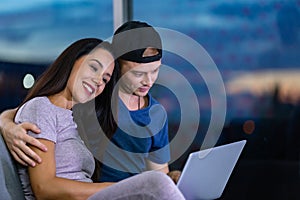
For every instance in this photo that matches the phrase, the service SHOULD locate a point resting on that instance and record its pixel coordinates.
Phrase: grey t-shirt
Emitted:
(73, 159)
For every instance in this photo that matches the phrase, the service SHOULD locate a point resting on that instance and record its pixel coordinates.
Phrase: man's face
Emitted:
(138, 78)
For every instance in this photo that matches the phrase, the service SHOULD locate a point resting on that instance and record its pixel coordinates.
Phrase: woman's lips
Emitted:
(88, 87)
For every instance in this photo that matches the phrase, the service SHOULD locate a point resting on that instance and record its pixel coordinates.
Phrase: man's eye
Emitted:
(138, 74)
(155, 71)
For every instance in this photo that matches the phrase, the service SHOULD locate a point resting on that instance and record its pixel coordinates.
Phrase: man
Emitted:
(141, 141)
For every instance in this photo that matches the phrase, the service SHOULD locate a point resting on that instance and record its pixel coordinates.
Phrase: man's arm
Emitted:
(16, 138)
(158, 167)
(174, 175)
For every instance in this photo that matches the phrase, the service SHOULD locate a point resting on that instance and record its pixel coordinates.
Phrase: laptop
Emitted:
(206, 172)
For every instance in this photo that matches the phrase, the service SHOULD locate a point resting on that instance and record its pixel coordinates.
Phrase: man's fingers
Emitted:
(26, 153)
(34, 142)
(26, 157)
(23, 140)
(30, 140)
(17, 139)
(19, 160)
(31, 155)
(31, 127)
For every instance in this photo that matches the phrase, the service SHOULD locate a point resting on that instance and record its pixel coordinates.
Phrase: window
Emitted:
(34, 32)
(255, 46)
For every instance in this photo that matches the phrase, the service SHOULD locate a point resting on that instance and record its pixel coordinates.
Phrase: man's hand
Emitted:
(175, 174)
(17, 139)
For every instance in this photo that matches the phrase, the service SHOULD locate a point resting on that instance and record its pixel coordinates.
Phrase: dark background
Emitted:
(242, 38)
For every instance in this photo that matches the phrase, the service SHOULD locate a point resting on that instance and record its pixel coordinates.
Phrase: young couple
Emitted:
(45, 135)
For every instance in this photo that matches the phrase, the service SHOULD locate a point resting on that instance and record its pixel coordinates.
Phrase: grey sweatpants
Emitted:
(151, 185)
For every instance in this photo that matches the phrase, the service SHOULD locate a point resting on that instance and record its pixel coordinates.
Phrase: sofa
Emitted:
(10, 185)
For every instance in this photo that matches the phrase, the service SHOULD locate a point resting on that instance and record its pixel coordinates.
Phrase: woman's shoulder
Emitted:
(41, 99)
(37, 102)
(36, 105)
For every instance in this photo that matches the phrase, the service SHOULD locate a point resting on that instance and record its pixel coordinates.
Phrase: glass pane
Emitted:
(33, 33)
(255, 46)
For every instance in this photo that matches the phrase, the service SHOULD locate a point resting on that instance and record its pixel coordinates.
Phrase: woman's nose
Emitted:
(98, 81)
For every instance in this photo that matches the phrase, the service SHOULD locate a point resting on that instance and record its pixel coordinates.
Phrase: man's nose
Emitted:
(148, 80)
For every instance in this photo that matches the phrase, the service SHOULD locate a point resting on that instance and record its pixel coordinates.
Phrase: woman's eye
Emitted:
(105, 80)
(94, 68)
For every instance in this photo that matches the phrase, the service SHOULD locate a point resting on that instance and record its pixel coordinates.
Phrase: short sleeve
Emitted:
(39, 111)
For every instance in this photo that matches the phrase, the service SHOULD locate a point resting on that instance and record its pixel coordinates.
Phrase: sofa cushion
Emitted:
(10, 185)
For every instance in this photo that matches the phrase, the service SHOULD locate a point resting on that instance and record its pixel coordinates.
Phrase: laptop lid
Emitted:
(206, 172)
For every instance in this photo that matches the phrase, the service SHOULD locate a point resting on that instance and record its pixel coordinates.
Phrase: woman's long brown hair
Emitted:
(56, 76)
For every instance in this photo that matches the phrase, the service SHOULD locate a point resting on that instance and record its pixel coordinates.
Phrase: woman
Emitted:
(78, 75)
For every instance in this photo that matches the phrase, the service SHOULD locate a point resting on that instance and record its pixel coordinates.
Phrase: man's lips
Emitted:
(143, 89)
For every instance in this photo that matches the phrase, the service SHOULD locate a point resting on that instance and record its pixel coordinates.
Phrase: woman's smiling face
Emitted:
(89, 75)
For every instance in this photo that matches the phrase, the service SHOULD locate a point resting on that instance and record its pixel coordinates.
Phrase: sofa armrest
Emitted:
(10, 185)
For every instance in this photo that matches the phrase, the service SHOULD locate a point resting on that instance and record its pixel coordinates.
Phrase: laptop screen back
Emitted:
(206, 172)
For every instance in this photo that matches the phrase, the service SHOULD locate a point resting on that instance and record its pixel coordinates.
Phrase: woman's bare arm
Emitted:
(17, 139)
(48, 186)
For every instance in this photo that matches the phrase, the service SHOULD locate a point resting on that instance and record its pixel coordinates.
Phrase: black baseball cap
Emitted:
(131, 40)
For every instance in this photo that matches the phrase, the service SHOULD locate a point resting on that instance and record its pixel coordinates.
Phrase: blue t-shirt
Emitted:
(142, 134)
